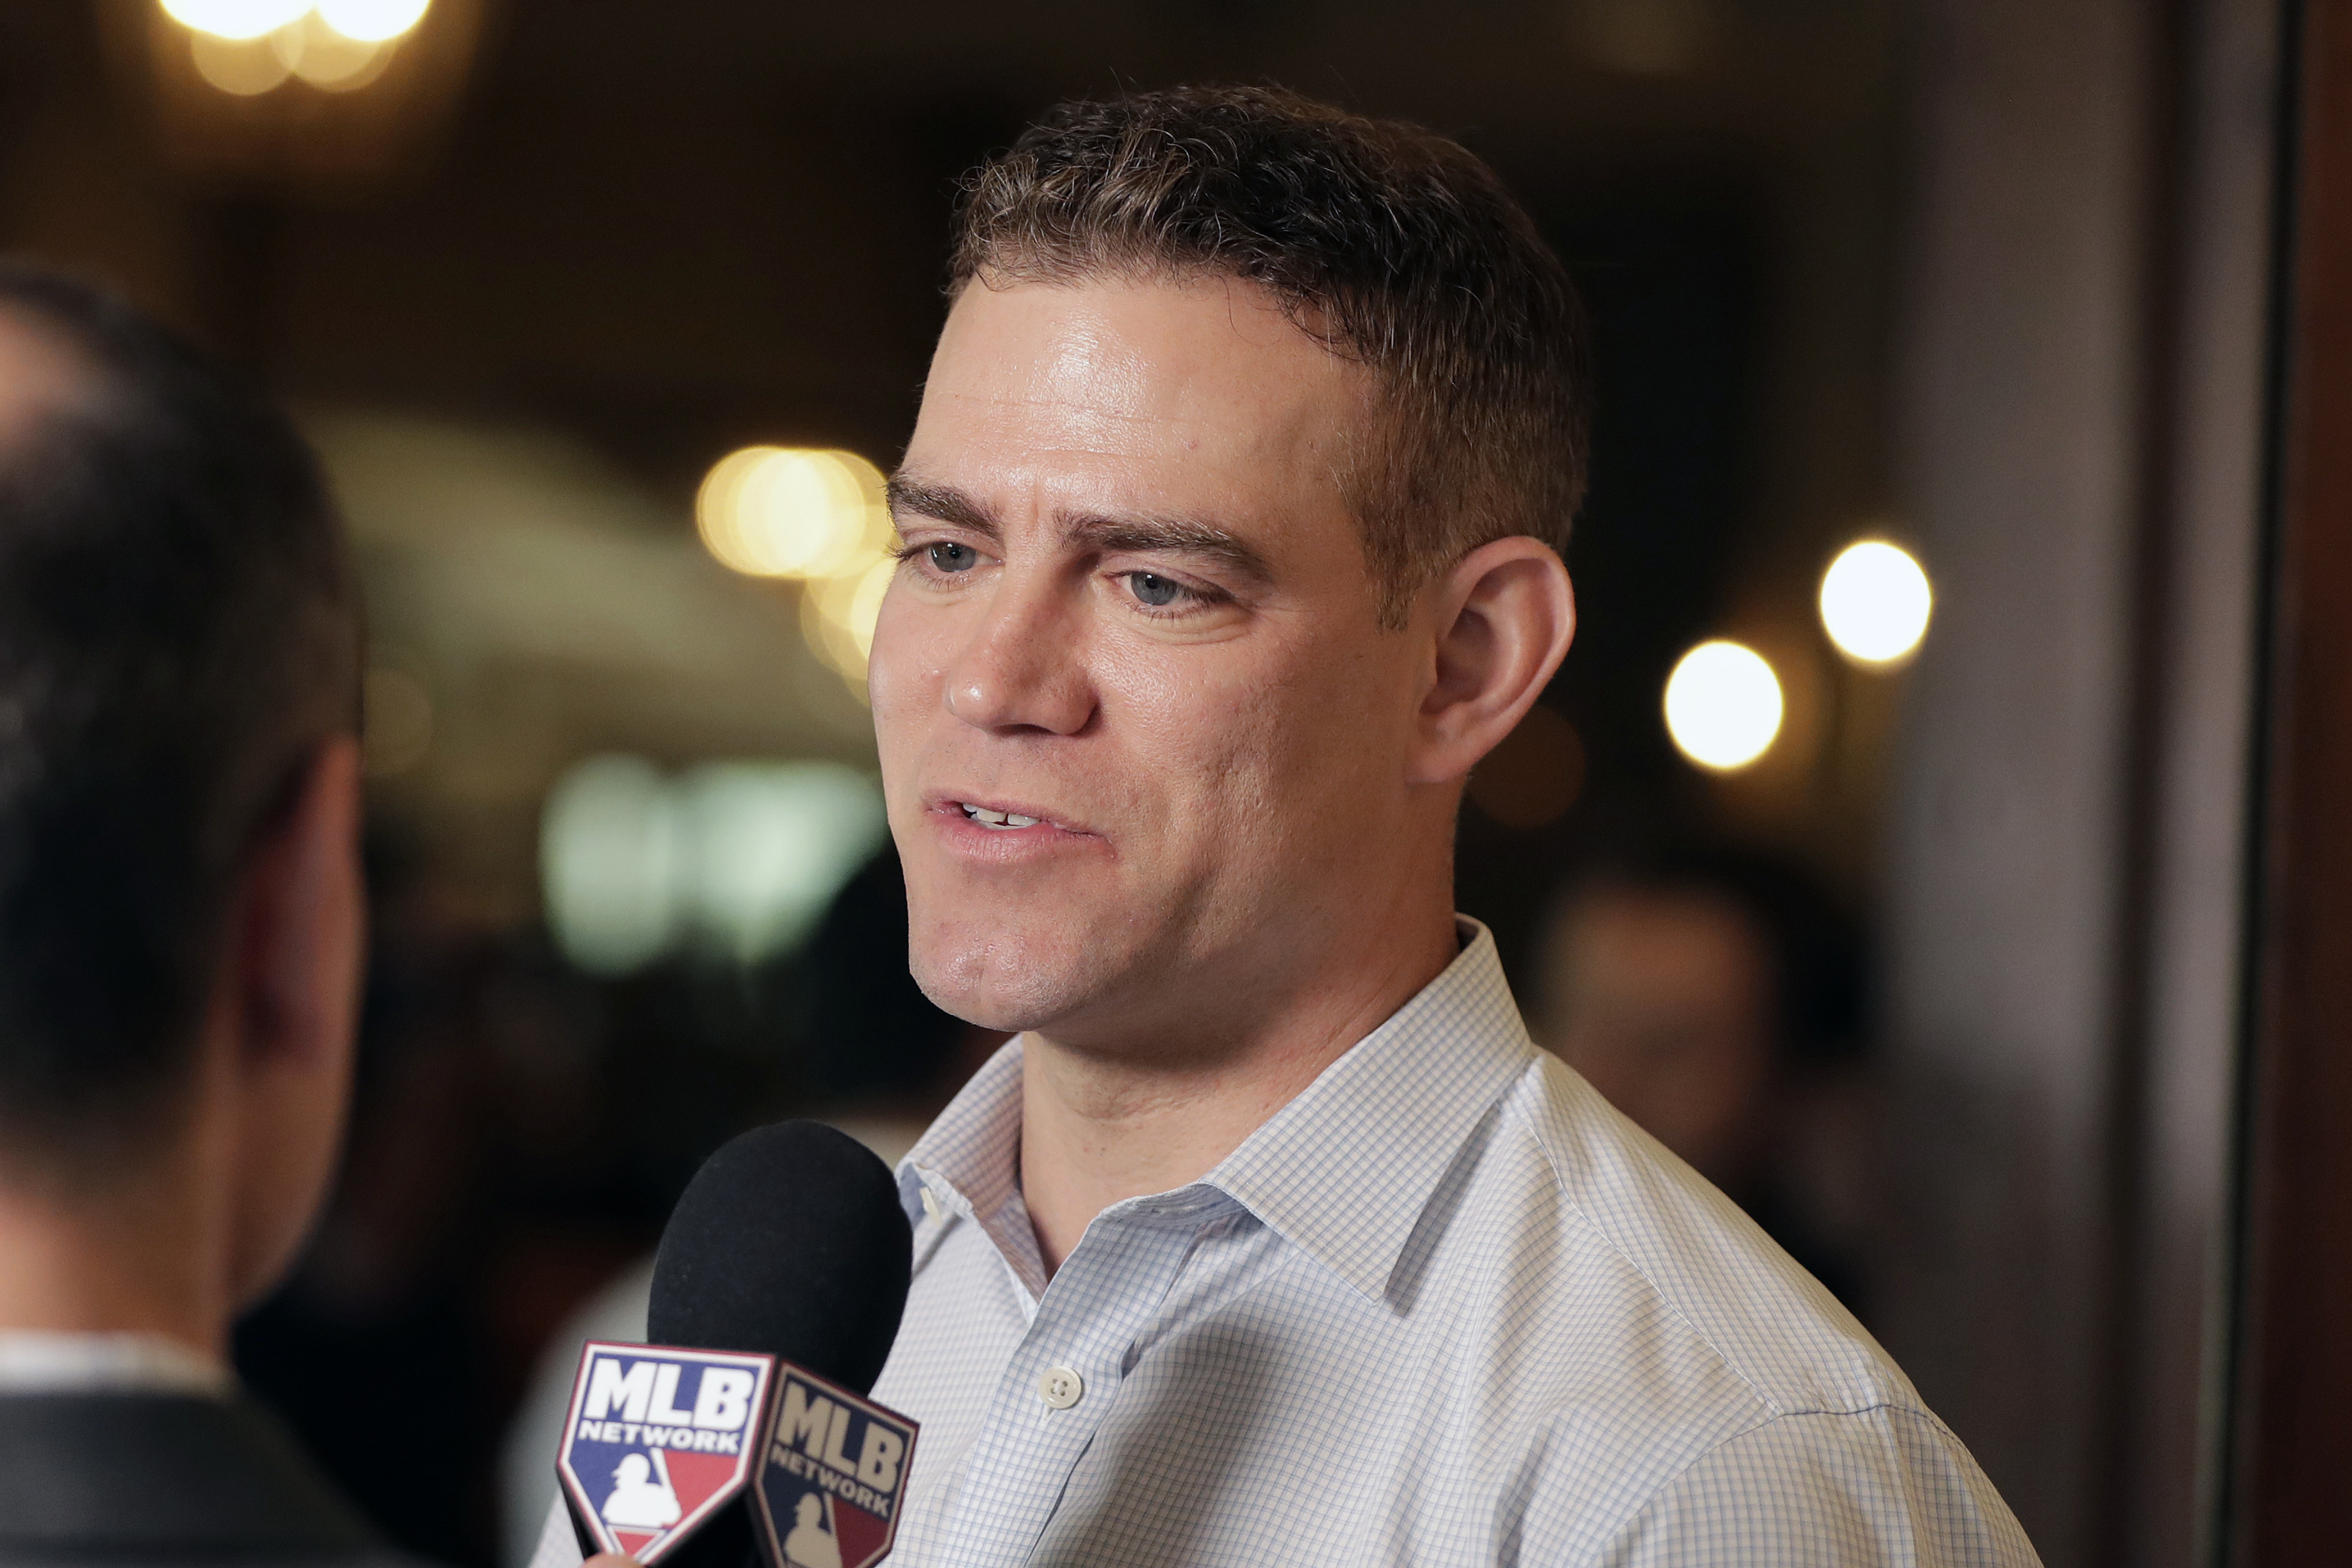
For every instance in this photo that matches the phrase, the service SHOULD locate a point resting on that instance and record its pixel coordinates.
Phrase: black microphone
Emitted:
(741, 1433)
(789, 1241)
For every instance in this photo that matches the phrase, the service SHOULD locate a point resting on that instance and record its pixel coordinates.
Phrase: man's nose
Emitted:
(1023, 668)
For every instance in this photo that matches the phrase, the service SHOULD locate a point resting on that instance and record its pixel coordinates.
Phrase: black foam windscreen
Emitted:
(790, 1240)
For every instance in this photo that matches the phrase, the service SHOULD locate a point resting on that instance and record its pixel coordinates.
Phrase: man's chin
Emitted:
(1005, 985)
(992, 1004)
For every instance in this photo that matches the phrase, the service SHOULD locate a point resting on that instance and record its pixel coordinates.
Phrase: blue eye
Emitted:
(948, 557)
(1153, 590)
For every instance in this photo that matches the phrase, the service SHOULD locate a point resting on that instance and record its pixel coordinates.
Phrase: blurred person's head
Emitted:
(1686, 985)
(1233, 520)
(180, 915)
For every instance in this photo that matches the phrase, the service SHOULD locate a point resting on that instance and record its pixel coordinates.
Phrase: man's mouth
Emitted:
(1005, 821)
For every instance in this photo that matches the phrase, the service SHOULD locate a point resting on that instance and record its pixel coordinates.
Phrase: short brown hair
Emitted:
(1391, 244)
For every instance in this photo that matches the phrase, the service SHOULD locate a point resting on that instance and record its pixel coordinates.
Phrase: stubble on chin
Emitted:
(998, 977)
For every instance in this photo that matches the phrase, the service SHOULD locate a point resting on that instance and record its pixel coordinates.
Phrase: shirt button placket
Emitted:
(1045, 1413)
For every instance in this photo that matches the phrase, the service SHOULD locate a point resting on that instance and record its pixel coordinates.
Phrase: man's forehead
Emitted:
(1115, 364)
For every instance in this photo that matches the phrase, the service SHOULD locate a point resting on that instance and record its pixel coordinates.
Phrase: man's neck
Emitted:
(1098, 1127)
(130, 1261)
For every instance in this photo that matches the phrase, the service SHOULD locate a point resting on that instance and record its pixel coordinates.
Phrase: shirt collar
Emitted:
(968, 1162)
(48, 1362)
(1343, 1171)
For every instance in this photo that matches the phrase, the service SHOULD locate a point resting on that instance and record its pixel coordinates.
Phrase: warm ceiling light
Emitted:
(781, 511)
(235, 19)
(838, 617)
(1875, 602)
(242, 67)
(373, 21)
(1723, 705)
(325, 58)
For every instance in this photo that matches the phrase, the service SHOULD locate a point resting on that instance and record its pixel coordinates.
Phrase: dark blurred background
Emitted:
(529, 269)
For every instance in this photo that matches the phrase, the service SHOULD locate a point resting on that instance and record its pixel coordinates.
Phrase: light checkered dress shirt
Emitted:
(1446, 1308)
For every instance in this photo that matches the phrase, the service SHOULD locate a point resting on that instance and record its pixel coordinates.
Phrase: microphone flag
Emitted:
(660, 1440)
(832, 1474)
(657, 1440)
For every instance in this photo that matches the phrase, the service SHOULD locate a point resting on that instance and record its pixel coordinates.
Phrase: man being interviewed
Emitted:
(1233, 528)
(1233, 525)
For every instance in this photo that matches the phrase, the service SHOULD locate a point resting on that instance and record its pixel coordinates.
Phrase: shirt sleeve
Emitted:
(1831, 1490)
(557, 1547)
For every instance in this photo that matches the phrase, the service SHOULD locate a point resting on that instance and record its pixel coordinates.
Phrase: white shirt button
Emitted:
(930, 1203)
(1060, 1387)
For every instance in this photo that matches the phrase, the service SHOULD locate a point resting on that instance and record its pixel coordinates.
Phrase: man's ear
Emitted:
(303, 923)
(288, 1064)
(1502, 620)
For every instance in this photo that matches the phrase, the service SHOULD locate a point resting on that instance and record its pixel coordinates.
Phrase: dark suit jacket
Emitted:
(108, 1480)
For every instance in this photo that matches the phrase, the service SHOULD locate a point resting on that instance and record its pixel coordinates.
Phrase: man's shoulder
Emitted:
(1648, 1247)
(152, 1477)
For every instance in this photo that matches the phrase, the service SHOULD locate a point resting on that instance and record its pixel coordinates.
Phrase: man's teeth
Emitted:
(988, 818)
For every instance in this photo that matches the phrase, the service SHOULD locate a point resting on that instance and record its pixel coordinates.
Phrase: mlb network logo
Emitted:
(834, 1473)
(658, 1439)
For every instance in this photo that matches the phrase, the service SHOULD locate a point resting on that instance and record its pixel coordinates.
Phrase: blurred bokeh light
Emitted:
(736, 859)
(838, 613)
(608, 852)
(784, 511)
(816, 515)
(372, 21)
(1875, 602)
(766, 846)
(1723, 705)
(235, 18)
(249, 48)
(324, 55)
(242, 67)
(356, 21)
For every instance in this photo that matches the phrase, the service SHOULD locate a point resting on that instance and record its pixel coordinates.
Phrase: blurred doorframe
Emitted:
(2084, 385)
(2286, 1491)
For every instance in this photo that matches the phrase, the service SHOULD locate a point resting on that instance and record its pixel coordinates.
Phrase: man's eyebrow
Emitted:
(1190, 536)
(940, 503)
